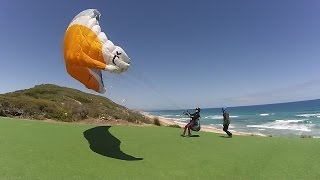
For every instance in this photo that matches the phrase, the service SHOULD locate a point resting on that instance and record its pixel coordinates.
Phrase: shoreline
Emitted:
(169, 121)
(164, 121)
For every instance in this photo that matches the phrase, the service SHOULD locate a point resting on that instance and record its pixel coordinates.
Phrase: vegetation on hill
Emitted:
(64, 104)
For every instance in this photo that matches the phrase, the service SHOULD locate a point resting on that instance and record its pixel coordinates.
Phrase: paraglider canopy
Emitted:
(87, 51)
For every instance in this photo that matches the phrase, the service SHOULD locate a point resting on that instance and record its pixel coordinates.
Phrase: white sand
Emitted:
(168, 121)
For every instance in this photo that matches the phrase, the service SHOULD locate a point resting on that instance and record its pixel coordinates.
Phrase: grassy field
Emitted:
(40, 150)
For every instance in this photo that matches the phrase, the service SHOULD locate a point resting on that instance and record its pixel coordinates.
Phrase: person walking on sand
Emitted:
(226, 122)
(194, 117)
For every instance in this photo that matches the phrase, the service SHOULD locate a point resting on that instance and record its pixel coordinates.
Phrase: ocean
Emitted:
(285, 119)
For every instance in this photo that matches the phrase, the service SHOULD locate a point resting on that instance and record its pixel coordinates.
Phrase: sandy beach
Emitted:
(168, 121)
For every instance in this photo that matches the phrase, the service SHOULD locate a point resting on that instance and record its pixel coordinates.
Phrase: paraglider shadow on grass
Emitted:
(194, 135)
(222, 136)
(102, 142)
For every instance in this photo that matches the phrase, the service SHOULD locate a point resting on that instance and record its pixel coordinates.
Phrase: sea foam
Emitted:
(309, 115)
(217, 117)
(293, 124)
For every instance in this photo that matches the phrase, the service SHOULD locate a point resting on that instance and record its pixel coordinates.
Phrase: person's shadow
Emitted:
(102, 142)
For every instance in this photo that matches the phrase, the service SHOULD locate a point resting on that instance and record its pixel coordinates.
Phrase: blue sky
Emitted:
(184, 54)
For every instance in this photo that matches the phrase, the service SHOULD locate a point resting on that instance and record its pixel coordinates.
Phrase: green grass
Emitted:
(40, 150)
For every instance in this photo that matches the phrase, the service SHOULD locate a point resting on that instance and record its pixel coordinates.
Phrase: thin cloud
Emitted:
(301, 91)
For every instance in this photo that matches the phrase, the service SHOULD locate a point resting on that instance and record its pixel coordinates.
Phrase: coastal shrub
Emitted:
(80, 99)
(156, 121)
(5, 104)
(42, 106)
(305, 136)
(174, 126)
(146, 120)
(31, 94)
(64, 104)
(2, 113)
(84, 113)
(129, 119)
(45, 91)
(116, 116)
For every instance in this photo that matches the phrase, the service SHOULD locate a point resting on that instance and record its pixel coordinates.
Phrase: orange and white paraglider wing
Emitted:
(87, 51)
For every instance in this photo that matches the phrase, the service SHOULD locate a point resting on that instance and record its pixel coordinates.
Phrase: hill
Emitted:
(49, 101)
